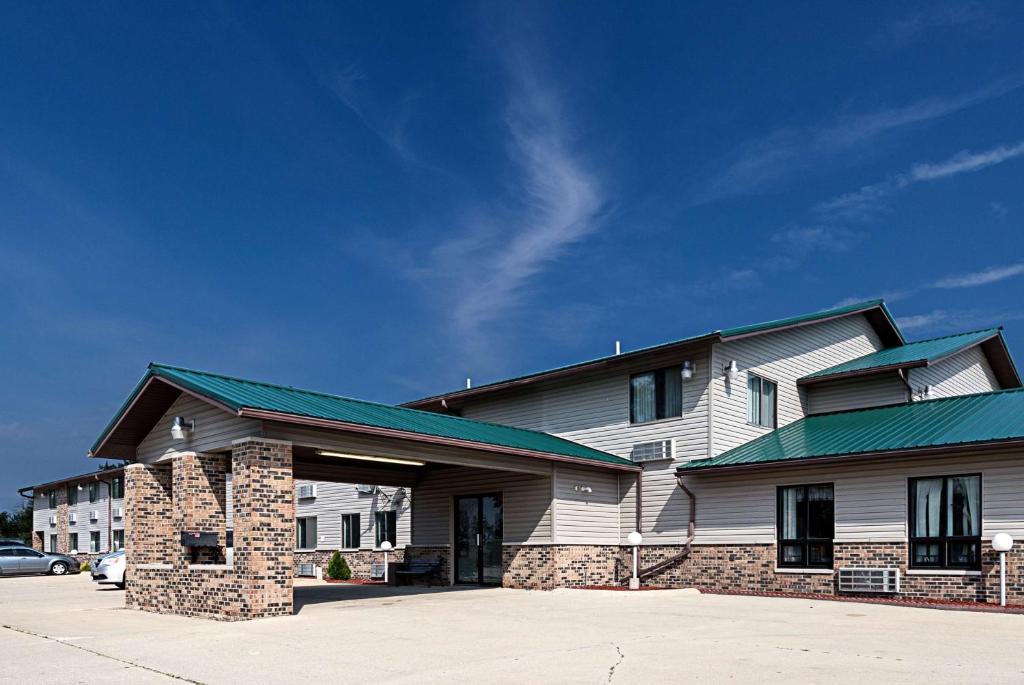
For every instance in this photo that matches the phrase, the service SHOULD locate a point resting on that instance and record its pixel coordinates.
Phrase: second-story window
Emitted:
(656, 395)
(761, 401)
(72, 494)
(51, 499)
(93, 492)
(117, 488)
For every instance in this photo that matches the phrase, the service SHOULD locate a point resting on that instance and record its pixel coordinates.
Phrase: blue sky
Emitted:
(380, 201)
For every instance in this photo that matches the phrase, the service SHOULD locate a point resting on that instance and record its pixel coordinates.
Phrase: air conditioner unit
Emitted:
(307, 491)
(118, 512)
(658, 450)
(307, 570)
(368, 489)
(880, 580)
(94, 515)
(53, 520)
(72, 518)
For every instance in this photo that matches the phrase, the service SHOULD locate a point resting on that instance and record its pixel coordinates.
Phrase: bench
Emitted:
(426, 567)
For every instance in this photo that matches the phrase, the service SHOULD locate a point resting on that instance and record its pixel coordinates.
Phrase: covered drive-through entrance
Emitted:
(481, 494)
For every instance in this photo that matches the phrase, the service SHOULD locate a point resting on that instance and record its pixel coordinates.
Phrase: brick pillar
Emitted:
(37, 541)
(263, 502)
(62, 521)
(200, 502)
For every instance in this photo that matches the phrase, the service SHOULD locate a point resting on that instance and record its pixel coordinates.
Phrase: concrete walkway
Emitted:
(66, 630)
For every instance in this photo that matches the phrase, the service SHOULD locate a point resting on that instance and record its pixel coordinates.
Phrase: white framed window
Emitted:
(386, 527)
(118, 542)
(72, 542)
(762, 401)
(351, 535)
(94, 541)
(305, 532)
(53, 544)
(656, 395)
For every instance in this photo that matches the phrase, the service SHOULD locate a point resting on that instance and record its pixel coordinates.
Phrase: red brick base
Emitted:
(359, 561)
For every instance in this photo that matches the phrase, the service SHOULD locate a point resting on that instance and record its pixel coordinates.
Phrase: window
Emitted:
(93, 491)
(51, 497)
(305, 537)
(806, 521)
(656, 395)
(72, 542)
(94, 541)
(117, 488)
(350, 534)
(119, 540)
(761, 401)
(53, 544)
(72, 494)
(945, 522)
(385, 524)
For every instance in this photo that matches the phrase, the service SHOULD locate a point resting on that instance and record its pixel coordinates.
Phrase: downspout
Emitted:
(691, 533)
(640, 500)
(903, 377)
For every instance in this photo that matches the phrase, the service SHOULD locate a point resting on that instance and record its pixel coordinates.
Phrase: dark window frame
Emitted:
(390, 518)
(117, 488)
(72, 492)
(94, 492)
(660, 410)
(73, 546)
(775, 401)
(806, 541)
(94, 536)
(305, 532)
(944, 540)
(356, 530)
(51, 499)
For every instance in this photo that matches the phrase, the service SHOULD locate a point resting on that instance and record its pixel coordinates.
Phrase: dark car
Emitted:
(16, 560)
(11, 542)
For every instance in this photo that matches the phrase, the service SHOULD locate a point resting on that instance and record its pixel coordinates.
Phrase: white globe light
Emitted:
(386, 545)
(1002, 542)
(635, 538)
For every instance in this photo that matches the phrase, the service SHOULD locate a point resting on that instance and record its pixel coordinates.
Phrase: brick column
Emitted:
(62, 521)
(200, 501)
(263, 501)
(148, 536)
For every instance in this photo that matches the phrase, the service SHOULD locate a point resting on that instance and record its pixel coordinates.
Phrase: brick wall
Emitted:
(200, 502)
(359, 561)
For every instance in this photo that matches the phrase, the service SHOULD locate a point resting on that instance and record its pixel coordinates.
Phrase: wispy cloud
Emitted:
(993, 274)
(950, 15)
(804, 239)
(943, 320)
(388, 124)
(867, 202)
(923, 321)
(555, 201)
(759, 164)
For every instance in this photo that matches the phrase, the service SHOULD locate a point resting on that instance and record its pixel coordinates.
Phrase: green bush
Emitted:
(338, 568)
(85, 567)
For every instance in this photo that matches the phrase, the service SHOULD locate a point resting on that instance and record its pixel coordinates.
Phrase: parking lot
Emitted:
(66, 630)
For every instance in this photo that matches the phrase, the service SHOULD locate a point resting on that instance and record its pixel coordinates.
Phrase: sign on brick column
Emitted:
(263, 511)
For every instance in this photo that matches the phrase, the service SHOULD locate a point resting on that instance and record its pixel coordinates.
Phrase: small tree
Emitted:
(338, 568)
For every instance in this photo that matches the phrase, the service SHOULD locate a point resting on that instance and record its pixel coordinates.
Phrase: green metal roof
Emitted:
(711, 336)
(963, 420)
(238, 394)
(918, 353)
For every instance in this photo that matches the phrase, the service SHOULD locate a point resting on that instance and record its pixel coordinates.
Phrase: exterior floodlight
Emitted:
(731, 371)
(1002, 542)
(687, 372)
(180, 427)
(386, 546)
(635, 538)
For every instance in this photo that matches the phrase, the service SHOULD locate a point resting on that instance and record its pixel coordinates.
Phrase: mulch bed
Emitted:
(354, 581)
(622, 588)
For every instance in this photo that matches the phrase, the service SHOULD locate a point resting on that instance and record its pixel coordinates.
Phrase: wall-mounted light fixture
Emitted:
(180, 428)
(687, 372)
(582, 487)
(731, 371)
(927, 393)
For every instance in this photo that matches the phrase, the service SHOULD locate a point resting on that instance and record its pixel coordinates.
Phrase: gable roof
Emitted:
(925, 353)
(875, 310)
(268, 401)
(992, 418)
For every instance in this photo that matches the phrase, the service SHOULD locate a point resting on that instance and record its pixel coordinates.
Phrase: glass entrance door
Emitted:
(478, 534)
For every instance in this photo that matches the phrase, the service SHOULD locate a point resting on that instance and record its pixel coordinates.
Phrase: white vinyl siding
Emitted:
(782, 356)
(964, 373)
(215, 429)
(333, 500)
(870, 497)
(583, 517)
(526, 503)
(595, 411)
(856, 393)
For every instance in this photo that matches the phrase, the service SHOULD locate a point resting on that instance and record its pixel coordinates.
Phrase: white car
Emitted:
(109, 569)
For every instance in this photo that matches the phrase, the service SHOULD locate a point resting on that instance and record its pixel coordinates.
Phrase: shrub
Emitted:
(338, 568)
(85, 567)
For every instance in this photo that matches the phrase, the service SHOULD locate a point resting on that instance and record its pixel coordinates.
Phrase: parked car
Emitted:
(109, 569)
(11, 542)
(15, 559)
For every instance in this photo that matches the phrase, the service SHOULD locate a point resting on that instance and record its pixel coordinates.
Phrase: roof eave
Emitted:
(267, 415)
(860, 373)
(986, 445)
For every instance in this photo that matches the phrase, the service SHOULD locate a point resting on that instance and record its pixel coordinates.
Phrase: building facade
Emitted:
(82, 516)
(776, 457)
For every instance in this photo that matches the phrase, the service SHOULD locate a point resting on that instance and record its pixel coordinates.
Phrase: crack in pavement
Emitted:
(133, 664)
(611, 671)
